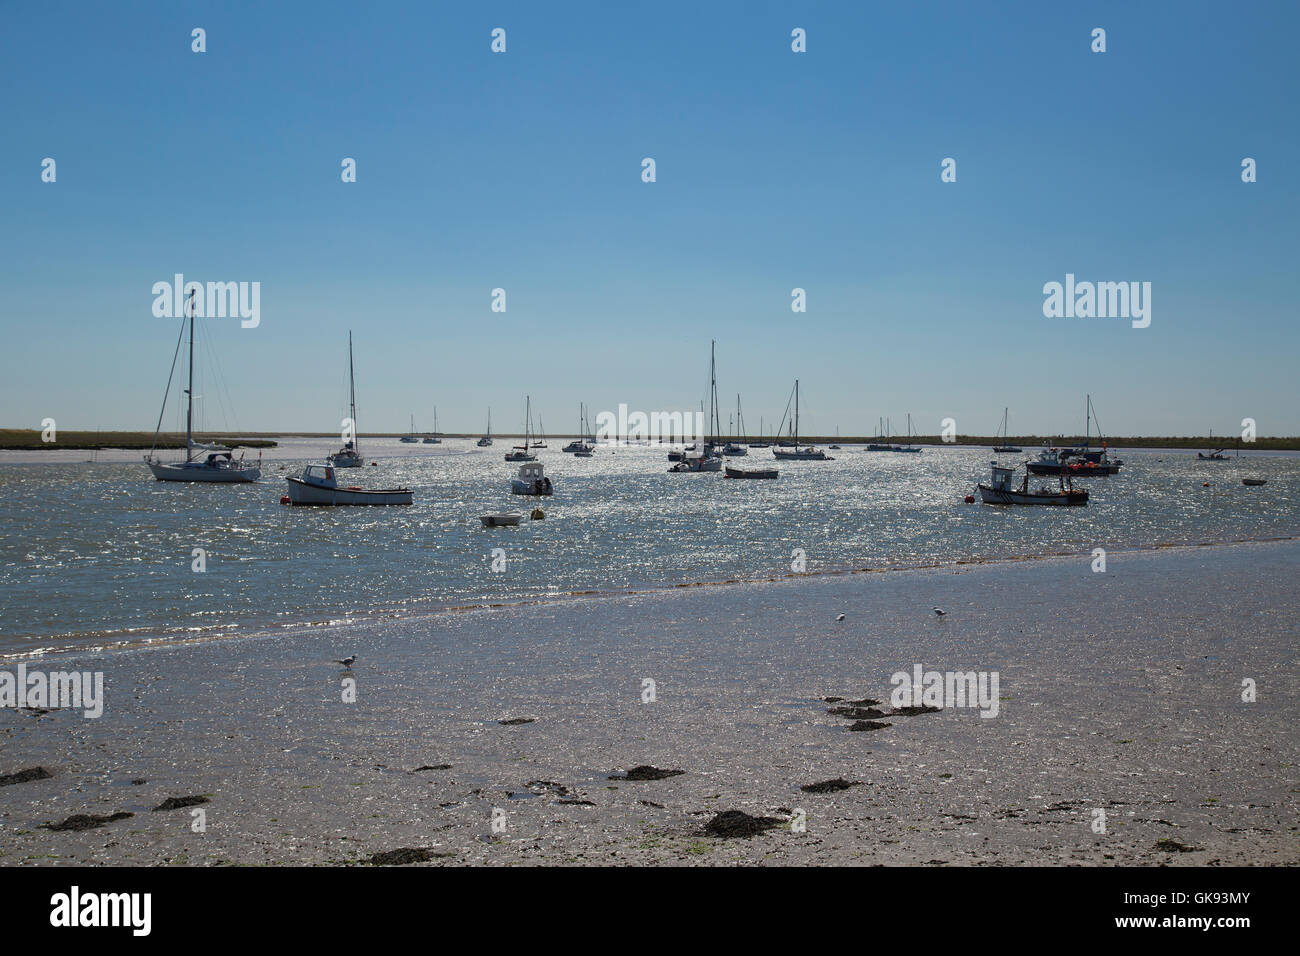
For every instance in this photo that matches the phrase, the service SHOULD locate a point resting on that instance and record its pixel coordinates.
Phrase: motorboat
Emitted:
(532, 480)
(696, 464)
(318, 485)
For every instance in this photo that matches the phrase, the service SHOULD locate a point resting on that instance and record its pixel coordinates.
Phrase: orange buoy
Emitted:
(970, 499)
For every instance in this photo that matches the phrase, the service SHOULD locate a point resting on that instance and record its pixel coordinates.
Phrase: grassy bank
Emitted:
(25, 439)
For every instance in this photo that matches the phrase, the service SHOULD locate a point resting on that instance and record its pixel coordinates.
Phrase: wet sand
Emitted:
(1119, 692)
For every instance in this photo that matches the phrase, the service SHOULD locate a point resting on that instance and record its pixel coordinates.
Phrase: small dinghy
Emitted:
(319, 486)
(505, 519)
(752, 472)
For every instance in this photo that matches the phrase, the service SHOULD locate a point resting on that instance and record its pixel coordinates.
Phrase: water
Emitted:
(99, 554)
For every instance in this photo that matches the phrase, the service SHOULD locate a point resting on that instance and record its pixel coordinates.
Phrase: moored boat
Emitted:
(751, 472)
(504, 519)
(1002, 492)
(532, 481)
(318, 485)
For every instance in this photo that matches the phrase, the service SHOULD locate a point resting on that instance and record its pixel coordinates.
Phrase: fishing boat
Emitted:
(318, 485)
(751, 472)
(795, 453)
(349, 456)
(410, 437)
(218, 465)
(1078, 460)
(1002, 492)
(486, 440)
(503, 519)
(1212, 454)
(532, 480)
(435, 438)
(1005, 448)
(708, 458)
(521, 452)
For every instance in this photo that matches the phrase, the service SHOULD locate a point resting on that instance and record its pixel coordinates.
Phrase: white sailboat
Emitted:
(349, 456)
(795, 453)
(409, 438)
(218, 465)
(1006, 448)
(486, 440)
(521, 452)
(707, 458)
(435, 438)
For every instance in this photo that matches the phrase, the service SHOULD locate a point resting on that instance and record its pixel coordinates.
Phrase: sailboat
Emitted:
(434, 439)
(349, 456)
(909, 448)
(579, 444)
(218, 465)
(761, 443)
(1005, 448)
(734, 448)
(409, 438)
(808, 453)
(707, 458)
(486, 440)
(521, 452)
(836, 446)
(541, 428)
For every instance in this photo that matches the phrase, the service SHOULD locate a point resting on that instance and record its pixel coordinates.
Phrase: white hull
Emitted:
(532, 488)
(346, 461)
(693, 465)
(304, 493)
(803, 455)
(507, 520)
(202, 471)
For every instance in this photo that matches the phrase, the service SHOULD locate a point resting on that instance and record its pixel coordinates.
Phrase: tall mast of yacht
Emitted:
(189, 392)
(352, 396)
(796, 414)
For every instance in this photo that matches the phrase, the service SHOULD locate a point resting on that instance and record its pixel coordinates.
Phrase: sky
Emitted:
(775, 170)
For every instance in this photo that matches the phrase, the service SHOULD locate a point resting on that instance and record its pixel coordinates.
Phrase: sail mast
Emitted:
(189, 392)
(796, 414)
(352, 396)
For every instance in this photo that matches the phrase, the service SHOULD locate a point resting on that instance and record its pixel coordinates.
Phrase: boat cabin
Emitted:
(322, 475)
(1002, 478)
(531, 472)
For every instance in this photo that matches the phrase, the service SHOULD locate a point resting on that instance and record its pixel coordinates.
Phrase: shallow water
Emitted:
(97, 554)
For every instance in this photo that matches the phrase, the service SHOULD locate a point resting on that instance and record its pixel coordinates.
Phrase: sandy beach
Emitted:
(1119, 692)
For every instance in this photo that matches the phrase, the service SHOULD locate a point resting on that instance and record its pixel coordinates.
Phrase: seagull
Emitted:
(840, 618)
(940, 612)
(348, 661)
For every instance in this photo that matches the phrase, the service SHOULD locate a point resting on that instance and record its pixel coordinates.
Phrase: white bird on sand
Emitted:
(940, 611)
(348, 661)
(840, 618)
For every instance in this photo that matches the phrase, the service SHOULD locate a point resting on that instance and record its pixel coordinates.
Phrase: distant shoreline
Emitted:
(24, 439)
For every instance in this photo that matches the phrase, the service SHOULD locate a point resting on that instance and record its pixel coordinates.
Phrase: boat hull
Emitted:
(509, 520)
(305, 493)
(768, 473)
(994, 496)
(800, 455)
(201, 471)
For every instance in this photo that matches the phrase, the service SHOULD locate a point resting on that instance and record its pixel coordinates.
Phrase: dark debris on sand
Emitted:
(431, 766)
(830, 786)
(23, 776)
(855, 713)
(1173, 846)
(405, 855)
(178, 803)
(512, 721)
(913, 711)
(647, 772)
(86, 821)
(870, 725)
(731, 824)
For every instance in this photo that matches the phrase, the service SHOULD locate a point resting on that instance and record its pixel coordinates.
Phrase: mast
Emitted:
(796, 414)
(189, 392)
(352, 395)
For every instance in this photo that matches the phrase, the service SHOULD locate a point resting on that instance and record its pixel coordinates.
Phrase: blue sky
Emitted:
(775, 170)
